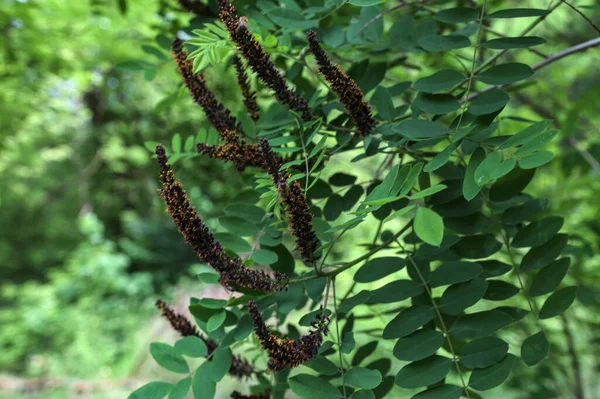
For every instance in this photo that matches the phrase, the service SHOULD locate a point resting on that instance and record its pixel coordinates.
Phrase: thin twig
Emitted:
(579, 394)
(589, 21)
(553, 58)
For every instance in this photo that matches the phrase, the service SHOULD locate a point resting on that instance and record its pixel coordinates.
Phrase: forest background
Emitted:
(86, 88)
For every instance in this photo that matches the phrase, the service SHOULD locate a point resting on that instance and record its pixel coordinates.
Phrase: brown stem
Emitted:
(589, 21)
(579, 394)
(554, 57)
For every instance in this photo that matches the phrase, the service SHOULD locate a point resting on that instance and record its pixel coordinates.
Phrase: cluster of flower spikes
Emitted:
(234, 148)
(284, 352)
(296, 204)
(259, 60)
(247, 93)
(262, 395)
(344, 87)
(196, 234)
(239, 366)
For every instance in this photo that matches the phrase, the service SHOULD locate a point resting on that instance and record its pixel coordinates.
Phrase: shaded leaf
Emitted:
(491, 377)
(483, 352)
(538, 232)
(152, 390)
(558, 302)
(505, 73)
(454, 272)
(364, 378)
(168, 358)
(504, 43)
(309, 386)
(439, 81)
(549, 277)
(423, 372)
(408, 321)
(489, 102)
(378, 268)
(418, 345)
(480, 324)
(437, 43)
(535, 348)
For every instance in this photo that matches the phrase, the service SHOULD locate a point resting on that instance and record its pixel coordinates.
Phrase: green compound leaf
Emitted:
(436, 104)
(363, 394)
(216, 320)
(499, 290)
(535, 349)
(542, 256)
(152, 390)
(491, 377)
(423, 372)
(441, 158)
(408, 321)
(454, 272)
(480, 324)
(191, 346)
(549, 277)
(558, 302)
(536, 160)
(264, 257)
(233, 242)
(511, 185)
(437, 43)
(181, 389)
(203, 384)
(487, 168)
(504, 74)
(429, 226)
(365, 3)
(168, 357)
(309, 386)
(348, 304)
(221, 362)
(457, 15)
(382, 101)
(518, 13)
(238, 226)
(470, 187)
(419, 129)
(504, 43)
(418, 345)
(461, 296)
(526, 135)
(378, 268)
(322, 365)
(364, 378)
(396, 291)
(483, 352)
(440, 392)
(538, 233)
(489, 102)
(439, 81)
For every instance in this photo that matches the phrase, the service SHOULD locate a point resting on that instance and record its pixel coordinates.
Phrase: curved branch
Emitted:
(553, 58)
